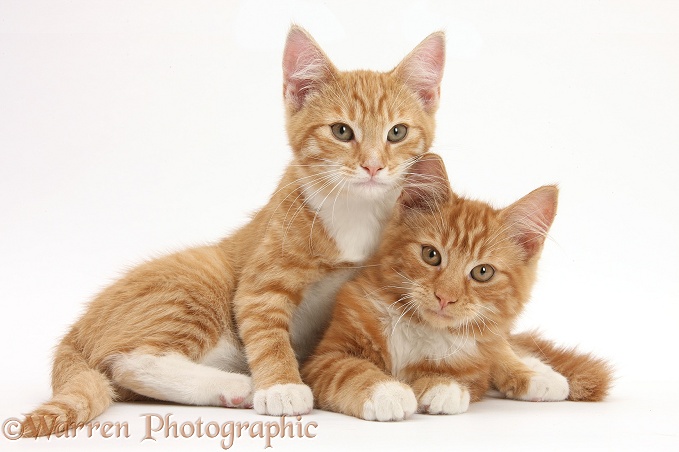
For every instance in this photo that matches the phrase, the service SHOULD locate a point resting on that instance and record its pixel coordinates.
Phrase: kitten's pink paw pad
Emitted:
(546, 385)
(284, 400)
(238, 392)
(445, 399)
(391, 401)
(235, 401)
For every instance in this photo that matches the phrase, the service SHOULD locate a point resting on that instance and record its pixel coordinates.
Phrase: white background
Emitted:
(130, 129)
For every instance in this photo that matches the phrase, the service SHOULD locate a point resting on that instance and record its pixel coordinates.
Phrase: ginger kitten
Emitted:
(426, 324)
(191, 326)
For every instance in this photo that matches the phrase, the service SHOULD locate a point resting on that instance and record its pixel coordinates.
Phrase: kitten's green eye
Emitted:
(482, 273)
(342, 132)
(431, 255)
(397, 133)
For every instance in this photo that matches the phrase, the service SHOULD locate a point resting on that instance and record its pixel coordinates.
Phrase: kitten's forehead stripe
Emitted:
(372, 96)
(382, 106)
(469, 230)
(358, 101)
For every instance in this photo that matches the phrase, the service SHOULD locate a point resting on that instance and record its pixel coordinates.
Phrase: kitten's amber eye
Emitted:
(431, 255)
(342, 132)
(482, 273)
(397, 133)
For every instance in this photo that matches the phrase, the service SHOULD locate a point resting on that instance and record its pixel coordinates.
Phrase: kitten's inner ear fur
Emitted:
(422, 70)
(305, 67)
(530, 218)
(426, 184)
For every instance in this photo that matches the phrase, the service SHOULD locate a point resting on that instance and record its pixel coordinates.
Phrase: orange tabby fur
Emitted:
(179, 328)
(589, 377)
(406, 334)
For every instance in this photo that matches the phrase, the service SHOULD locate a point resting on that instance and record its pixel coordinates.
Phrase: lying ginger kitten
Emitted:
(426, 324)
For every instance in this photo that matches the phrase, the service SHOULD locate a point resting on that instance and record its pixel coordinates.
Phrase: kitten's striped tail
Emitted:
(80, 393)
(589, 378)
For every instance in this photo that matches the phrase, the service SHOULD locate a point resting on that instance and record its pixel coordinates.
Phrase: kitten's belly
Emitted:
(308, 323)
(227, 355)
(313, 314)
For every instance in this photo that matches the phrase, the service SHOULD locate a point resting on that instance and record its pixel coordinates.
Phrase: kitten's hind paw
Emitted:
(284, 400)
(445, 399)
(546, 385)
(237, 392)
(390, 401)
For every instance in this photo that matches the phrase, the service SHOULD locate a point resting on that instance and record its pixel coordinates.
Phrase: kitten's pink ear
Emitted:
(426, 184)
(422, 69)
(530, 218)
(305, 67)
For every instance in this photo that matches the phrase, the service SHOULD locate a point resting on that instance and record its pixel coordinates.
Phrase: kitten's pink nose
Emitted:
(372, 169)
(444, 301)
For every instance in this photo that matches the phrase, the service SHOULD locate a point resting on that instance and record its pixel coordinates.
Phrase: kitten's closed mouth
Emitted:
(439, 319)
(439, 313)
(371, 183)
(372, 187)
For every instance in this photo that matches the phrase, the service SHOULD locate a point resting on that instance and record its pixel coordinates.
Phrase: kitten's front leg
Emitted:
(439, 394)
(357, 387)
(527, 378)
(264, 320)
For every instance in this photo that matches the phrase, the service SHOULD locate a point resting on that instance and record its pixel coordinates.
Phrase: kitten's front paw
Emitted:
(445, 399)
(284, 400)
(546, 385)
(390, 401)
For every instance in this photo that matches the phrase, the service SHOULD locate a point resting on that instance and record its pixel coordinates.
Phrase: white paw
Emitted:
(236, 391)
(284, 400)
(445, 399)
(546, 385)
(391, 401)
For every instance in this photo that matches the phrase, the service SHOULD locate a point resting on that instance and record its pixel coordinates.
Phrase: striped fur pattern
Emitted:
(415, 330)
(216, 325)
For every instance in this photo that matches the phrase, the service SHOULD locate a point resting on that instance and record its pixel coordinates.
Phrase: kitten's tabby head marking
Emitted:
(460, 264)
(357, 132)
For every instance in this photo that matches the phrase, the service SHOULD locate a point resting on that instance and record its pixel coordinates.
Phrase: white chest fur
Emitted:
(354, 222)
(410, 343)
